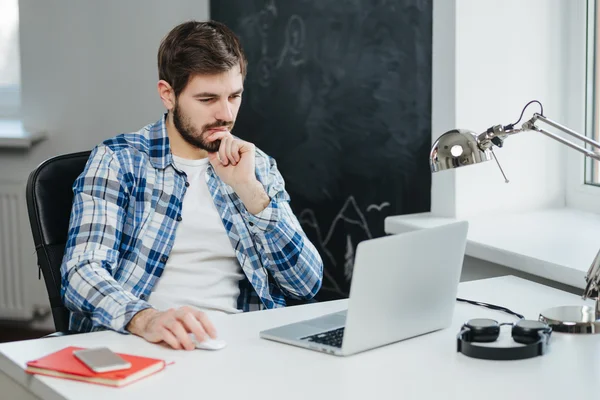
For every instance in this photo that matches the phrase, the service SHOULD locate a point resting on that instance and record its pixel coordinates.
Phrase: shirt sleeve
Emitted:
(92, 250)
(286, 252)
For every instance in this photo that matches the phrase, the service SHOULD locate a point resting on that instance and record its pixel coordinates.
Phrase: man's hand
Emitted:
(234, 163)
(172, 327)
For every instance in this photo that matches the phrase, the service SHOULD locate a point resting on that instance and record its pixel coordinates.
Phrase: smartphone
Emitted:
(101, 359)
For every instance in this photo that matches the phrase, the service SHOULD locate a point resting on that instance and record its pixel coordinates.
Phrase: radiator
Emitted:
(17, 272)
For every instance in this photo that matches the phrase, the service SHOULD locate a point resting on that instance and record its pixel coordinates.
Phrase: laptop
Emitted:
(403, 286)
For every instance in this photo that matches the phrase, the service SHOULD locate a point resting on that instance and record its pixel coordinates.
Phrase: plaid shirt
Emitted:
(126, 207)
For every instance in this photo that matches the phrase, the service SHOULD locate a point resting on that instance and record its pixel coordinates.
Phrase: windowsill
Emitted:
(14, 136)
(556, 244)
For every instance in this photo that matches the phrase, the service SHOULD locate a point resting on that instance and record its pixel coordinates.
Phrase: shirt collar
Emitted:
(160, 149)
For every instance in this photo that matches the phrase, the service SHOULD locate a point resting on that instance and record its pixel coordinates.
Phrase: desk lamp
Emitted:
(460, 147)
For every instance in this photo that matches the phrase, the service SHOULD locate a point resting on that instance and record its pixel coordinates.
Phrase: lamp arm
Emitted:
(530, 125)
(497, 134)
(592, 277)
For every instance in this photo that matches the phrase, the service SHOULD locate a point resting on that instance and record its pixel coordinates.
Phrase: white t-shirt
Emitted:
(202, 270)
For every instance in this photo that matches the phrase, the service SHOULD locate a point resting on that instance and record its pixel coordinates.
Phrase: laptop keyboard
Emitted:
(330, 338)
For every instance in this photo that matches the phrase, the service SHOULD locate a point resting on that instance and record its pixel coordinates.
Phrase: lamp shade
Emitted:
(456, 148)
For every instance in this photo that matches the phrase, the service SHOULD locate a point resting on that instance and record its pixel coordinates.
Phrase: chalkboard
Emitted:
(339, 93)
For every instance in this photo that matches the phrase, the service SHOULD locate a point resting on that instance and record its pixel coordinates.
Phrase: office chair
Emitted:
(49, 197)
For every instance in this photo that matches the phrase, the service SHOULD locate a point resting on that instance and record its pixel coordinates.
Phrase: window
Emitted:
(10, 68)
(592, 167)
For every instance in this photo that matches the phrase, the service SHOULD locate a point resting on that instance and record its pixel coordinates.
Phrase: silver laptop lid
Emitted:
(404, 285)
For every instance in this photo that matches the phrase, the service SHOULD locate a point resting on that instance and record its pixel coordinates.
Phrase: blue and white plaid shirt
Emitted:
(126, 207)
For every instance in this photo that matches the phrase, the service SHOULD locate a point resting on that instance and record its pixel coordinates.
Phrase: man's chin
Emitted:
(211, 147)
(199, 143)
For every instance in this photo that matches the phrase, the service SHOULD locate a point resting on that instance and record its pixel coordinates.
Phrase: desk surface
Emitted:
(425, 367)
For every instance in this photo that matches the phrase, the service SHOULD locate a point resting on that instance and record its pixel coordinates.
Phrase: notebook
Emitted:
(63, 364)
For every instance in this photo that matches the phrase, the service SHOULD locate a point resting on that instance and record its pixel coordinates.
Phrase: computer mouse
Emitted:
(209, 344)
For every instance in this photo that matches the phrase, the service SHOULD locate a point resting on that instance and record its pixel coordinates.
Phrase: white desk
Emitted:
(427, 367)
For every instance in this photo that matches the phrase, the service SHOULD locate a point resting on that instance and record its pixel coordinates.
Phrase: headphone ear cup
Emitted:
(490, 335)
(524, 337)
(528, 332)
(481, 330)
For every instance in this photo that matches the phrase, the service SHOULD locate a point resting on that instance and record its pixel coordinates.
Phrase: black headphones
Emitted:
(535, 335)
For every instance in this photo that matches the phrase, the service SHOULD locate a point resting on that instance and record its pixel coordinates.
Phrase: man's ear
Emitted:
(166, 93)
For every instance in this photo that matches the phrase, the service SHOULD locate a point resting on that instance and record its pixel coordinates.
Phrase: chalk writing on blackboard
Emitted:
(351, 214)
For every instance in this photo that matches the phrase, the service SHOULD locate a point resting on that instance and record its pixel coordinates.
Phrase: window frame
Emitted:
(579, 87)
(10, 94)
(592, 167)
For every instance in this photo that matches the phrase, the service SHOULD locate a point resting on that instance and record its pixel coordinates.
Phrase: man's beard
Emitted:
(190, 133)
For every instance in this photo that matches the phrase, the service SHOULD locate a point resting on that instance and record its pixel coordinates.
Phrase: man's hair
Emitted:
(193, 48)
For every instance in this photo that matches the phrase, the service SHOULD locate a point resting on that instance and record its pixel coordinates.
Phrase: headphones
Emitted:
(535, 335)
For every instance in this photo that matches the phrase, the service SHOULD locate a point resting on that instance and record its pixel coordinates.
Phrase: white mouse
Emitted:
(209, 344)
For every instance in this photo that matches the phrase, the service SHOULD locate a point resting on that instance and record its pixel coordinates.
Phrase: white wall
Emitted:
(89, 70)
(443, 101)
(505, 53)
(88, 73)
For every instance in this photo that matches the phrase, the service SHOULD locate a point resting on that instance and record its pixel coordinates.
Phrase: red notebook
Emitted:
(63, 364)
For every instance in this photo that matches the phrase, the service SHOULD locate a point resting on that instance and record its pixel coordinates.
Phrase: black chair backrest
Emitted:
(49, 196)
